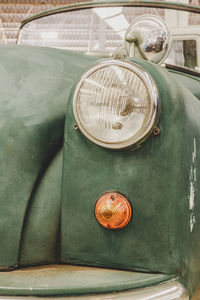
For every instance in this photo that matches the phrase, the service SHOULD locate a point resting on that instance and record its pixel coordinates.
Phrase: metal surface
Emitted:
(182, 70)
(156, 131)
(171, 290)
(148, 37)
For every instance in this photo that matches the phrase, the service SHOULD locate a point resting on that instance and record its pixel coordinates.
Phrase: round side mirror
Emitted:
(148, 37)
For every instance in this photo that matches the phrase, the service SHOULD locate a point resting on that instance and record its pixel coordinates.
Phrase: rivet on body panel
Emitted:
(156, 131)
(75, 126)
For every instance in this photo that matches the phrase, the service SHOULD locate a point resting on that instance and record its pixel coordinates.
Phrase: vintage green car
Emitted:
(99, 143)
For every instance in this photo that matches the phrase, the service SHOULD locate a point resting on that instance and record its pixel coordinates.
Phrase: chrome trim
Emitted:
(161, 24)
(113, 3)
(140, 137)
(170, 290)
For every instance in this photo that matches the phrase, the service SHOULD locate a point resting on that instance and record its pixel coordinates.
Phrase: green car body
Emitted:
(52, 176)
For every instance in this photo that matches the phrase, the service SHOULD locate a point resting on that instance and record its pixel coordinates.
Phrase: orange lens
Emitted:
(113, 210)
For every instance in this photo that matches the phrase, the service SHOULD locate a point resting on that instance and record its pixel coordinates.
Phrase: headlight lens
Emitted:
(115, 104)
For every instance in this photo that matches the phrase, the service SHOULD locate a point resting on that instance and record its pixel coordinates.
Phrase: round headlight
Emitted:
(116, 104)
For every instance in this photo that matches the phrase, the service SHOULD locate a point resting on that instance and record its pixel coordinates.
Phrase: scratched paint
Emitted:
(193, 178)
(194, 153)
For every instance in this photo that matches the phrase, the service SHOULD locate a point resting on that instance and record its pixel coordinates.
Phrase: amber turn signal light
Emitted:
(113, 211)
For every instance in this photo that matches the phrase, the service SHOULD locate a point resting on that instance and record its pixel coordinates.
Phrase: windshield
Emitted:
(100, 31)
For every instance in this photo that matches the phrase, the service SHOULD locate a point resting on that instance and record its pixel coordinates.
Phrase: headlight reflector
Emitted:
(115, 104)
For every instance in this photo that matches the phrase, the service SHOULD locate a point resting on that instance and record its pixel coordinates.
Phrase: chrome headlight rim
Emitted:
(153, 93)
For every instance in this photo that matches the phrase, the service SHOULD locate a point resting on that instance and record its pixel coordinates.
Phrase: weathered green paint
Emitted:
(34, 88)
(72, 280)
(40, 241)
(160, 178)
(156, 178)
(86, 5)
(192, 83)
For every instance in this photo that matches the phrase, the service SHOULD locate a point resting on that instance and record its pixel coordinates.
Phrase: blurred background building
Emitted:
(12, 12)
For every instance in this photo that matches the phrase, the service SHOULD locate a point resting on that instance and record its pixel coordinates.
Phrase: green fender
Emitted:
(34, 87)
(161, 180)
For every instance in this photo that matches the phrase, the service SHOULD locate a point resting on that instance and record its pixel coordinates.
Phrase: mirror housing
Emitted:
(148, 37)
